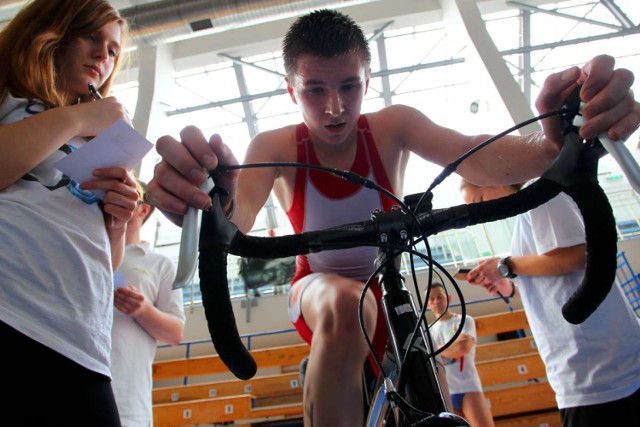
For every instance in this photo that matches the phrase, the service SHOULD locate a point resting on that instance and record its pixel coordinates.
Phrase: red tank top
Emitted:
(322, 200)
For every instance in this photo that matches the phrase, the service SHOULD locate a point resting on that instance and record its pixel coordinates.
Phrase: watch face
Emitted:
(503, 268)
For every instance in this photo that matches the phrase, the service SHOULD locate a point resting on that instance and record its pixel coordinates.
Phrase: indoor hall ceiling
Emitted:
(8, 8)
(163, 21)
(159, 21)
(170, 20)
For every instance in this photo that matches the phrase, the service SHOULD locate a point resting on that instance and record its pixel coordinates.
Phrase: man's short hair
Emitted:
(324, 33)
(464, 183)
(437, 285)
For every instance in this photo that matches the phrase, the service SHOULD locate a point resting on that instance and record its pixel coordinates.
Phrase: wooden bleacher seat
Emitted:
(513, 375)
(261, 386)
(534, 419)
(521, 399)
(493, 324)
(511, 371)
(219, 410)
(506, 348)
(206, 365)
(260, 398)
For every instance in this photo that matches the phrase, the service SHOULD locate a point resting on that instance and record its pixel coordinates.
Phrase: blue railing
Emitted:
(628, 281)
(248, 337)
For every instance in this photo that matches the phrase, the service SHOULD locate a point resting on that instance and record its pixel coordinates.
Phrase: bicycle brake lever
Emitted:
(188, 255)
(573, 118)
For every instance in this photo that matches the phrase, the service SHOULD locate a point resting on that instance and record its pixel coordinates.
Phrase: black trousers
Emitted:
(626, 410)
(40, 387)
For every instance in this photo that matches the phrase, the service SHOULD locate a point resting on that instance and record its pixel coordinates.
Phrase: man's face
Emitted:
(329, 93)
(437, 301)
(473, 194)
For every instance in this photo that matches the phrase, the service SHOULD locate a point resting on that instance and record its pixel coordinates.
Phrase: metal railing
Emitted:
(628, 281)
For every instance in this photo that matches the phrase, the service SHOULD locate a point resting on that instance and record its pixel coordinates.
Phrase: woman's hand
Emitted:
(485, 272)
(503, 286)
(121, 196)
(95, 117)
(26, 143)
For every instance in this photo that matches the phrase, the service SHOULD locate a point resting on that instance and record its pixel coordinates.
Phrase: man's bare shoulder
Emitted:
(274, 143)
(397, 124)
(276, 136)
(397, 114)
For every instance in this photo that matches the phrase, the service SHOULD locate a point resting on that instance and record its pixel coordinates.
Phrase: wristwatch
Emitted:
(504, 268)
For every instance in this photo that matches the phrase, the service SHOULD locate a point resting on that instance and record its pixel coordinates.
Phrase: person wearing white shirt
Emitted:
(147, 310)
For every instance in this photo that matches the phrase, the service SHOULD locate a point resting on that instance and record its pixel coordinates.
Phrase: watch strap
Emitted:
(513, 290)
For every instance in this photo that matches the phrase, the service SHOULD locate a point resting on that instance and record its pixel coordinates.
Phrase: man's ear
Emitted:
(145, 210)
(366, 81)
(291, 90)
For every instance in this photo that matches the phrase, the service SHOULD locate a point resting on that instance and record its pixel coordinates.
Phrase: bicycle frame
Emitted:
(421, 389)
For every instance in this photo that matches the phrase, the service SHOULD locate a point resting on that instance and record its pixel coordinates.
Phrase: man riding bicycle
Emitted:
(327, 62)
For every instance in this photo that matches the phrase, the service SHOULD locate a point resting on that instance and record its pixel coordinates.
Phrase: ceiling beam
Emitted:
(524, 6)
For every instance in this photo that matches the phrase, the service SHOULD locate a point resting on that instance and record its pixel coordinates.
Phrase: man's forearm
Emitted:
(162, 326)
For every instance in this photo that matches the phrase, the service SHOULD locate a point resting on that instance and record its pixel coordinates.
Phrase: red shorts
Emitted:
(295, 315)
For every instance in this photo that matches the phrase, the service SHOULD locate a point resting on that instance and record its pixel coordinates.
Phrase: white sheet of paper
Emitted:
(119, 145)
(118, 280)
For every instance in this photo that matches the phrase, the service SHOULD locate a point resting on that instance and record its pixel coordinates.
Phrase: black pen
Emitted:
(505, 299)
(92, 90)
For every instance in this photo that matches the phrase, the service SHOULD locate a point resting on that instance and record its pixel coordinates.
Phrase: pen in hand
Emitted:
(94, 93)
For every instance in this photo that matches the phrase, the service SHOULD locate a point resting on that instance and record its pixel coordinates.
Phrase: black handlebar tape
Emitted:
(269, 247)
(463, 216)
(601, 242)
(219, 313)
(524, 200)
(340, 237)
(576, 168)
(216, 233)
(366, 233)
